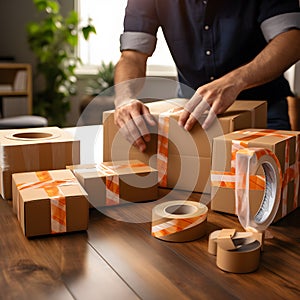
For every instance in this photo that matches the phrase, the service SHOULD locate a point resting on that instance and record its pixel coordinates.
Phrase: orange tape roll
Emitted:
(179, 220)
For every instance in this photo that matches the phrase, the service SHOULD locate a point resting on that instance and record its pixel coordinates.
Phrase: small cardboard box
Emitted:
(284, 144)
(34, 149)
(189, 153)
(112, 183)
(48, 202)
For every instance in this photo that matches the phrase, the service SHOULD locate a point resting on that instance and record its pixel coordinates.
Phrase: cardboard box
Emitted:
(133, 180)
(49, 202)
(189, 153)
(223, 198)
(34, 149)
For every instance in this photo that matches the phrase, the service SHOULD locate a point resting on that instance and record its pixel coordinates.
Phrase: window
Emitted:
(107, 16)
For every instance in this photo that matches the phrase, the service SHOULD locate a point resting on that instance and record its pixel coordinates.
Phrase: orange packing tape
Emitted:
(162, 148)
(112, 181)
(227, 180)
(57, 199)
(243, 142)
(112, 184)
(290, 173)
(173, 226)
(163, 144)
(179, 221)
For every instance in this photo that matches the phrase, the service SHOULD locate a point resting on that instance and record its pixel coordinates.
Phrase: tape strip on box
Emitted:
(57, 198)
(163, 143)
(289, 172)
(112, 179)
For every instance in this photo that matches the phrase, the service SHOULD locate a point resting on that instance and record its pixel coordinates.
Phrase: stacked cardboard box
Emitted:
(47, 197)
(284, 144)
(49, 202)
(118, 182)
(35, 149)
(189, 153)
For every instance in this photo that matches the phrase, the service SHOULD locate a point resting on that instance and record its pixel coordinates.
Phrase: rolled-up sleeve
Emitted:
(140, 26)
(278, 16)
(138, 41)
(279, 24)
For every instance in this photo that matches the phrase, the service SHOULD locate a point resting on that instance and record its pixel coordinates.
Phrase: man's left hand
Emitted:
(208, 101)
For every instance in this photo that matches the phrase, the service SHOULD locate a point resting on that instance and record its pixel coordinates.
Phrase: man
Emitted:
(223, 49)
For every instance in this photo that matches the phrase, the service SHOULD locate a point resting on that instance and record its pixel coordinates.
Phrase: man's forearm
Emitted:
(281, 53)
(129, 76)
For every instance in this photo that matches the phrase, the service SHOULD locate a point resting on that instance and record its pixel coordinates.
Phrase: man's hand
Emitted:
(133, 119)
(208, 101)
(281, 53)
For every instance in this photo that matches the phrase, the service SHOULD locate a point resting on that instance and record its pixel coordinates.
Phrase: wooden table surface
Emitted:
(117, 258)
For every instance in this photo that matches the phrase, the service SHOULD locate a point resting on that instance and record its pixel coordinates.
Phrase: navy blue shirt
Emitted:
(208, 39)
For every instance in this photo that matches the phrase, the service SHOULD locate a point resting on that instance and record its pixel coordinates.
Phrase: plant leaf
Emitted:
(87, 30)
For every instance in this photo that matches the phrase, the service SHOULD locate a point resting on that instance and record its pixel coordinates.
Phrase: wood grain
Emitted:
(117, 258)
(53, 267)
(276, 276)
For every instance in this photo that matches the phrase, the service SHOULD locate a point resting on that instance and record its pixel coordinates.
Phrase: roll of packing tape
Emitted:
(179, 221)
(213, 238)
(237, 252)
(244, 259)
(248, 161)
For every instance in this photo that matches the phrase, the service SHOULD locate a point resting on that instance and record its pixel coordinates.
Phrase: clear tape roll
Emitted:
(248, 161)
(179, 221)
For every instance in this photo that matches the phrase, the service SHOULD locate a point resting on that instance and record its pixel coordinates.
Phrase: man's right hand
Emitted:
(133, 119)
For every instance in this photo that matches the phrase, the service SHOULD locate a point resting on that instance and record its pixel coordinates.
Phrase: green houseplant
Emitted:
(53, 40)
(103, 82)
(99, 94)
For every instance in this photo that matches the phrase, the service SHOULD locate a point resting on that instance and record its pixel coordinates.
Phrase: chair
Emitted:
(294, 112)
(23, 122)
(15, 80)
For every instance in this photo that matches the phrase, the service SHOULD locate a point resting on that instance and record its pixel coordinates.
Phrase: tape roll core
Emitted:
(268, 200)
(180, 210)
(179, 220)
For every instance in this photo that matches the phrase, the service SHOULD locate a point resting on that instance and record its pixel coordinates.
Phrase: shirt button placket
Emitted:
(208, 44)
